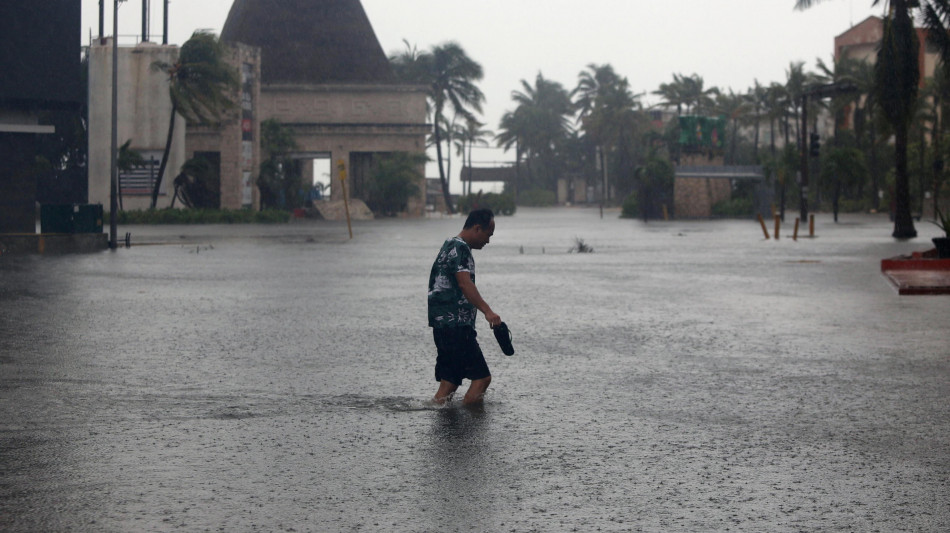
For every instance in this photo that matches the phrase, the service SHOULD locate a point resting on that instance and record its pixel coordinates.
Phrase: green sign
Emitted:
(702, 132)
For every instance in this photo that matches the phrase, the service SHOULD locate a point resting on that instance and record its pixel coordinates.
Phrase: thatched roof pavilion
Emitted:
(310, 41)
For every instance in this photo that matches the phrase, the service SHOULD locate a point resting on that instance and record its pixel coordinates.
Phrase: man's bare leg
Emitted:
(476, 391)
(445, 392)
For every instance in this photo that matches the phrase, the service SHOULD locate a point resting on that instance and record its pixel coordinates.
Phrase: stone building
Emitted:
(324, 74)
(233, 147)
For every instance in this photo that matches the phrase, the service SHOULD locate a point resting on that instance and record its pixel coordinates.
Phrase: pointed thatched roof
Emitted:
(310, 41)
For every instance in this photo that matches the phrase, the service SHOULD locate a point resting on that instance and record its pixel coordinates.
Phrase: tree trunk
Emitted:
(445, 184)
(772, 137)
(903, 222)
(164, 163)
(470, 143)
(874, 181)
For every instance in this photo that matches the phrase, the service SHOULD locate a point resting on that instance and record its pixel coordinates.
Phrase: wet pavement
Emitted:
(685, 376)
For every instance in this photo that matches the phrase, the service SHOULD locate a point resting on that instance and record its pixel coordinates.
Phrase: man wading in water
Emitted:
(453, 301)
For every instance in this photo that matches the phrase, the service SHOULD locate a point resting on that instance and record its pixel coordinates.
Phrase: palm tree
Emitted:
(865, 124)
(795, 81)
(469, 136)
(672, 95)
(897, 75)
(735, 107)
(513, 129)
(201, 85)
(758, 96)
(453, 75)
(687, 92)
(840, 71)
(411, 65)
(450, 76)
(776, 108)
(450, 131)
(696, 96)
(545, 108)
(607, 112)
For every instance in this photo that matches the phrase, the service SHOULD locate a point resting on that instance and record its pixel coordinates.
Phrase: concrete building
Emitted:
(144, 109)
(325, 75)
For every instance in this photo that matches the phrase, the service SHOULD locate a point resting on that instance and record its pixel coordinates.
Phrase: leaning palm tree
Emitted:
(201, 85)
(452, 77)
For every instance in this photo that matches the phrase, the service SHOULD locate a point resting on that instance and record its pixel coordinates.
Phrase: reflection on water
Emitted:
(460, 466)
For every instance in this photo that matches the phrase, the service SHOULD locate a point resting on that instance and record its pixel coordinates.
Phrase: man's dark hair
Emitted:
(479, 217)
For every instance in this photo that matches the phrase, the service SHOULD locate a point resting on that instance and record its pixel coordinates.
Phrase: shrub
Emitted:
(859, 205)
(735, 208)
(500, 204)
(537, 198)
(631, 207)
(393, 181)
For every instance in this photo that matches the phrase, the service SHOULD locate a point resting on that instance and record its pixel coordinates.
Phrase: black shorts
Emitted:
(459, 356)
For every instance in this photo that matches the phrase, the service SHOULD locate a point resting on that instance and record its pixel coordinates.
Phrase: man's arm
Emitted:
(464, 280)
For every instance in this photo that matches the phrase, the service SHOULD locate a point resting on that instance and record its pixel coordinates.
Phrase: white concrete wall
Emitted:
(144, 108)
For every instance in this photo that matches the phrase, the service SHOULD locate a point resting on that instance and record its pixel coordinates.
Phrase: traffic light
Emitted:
(815, 144)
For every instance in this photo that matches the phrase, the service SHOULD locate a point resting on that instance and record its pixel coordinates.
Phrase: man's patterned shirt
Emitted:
(448, 307)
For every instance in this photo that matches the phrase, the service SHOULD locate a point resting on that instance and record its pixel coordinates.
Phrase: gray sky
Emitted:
(729, 43)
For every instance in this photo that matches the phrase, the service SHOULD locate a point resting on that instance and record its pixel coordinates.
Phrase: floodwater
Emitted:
(685, 376)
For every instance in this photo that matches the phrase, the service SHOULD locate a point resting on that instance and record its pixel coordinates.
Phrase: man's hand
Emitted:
(468, 288)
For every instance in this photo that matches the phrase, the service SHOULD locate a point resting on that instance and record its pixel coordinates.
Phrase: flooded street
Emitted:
(685, 376)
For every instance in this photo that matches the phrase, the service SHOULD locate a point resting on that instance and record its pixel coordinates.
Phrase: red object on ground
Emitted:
(918, 273)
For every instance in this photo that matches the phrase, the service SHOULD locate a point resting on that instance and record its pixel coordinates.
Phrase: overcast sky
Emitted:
(729, 43)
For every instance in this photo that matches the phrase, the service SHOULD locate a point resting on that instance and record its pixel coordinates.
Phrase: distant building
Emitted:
(324, 74)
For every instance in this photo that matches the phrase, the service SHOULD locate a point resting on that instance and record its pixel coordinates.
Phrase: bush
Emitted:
(854, 206)
(202, 216)
(631, 207)
(393, 181)
(537, 198)
(735, 208)
(500, 204)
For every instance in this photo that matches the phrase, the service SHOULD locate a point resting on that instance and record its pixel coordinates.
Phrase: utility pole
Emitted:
(114, 174)
(803, 148)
